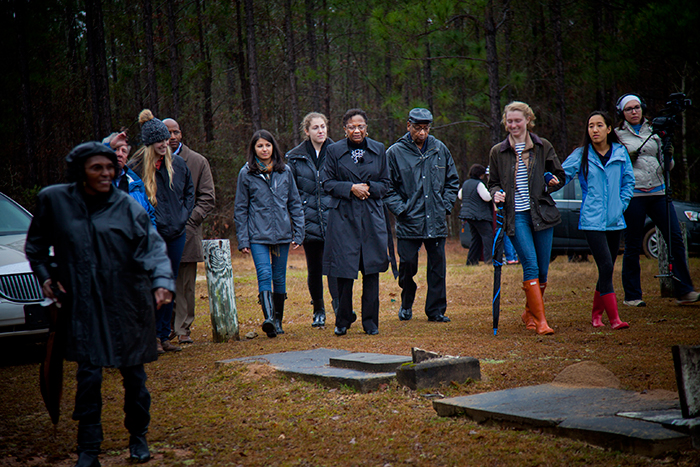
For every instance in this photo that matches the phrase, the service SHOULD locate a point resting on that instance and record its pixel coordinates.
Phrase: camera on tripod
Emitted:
(676, 104)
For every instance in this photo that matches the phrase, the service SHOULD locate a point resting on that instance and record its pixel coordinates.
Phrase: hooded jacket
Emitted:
(607, 190)
(314, 201)
(138, 191)
(109, 262)
(423, 187)
(648, 164)
(267, 211)
(502, 162)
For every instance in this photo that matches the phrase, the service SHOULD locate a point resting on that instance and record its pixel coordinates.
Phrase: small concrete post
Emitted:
(666, 283)
(222, 294)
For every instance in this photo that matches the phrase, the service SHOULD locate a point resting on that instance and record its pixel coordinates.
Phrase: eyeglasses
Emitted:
(421, 129)
(352, 128)
(636, 108)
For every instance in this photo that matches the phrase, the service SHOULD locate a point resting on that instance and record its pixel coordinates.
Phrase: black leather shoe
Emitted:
(373, 332)
(340, 331)
(319, 319)
(405, 314)
(440, 319)
(138, 449)
(353, 318)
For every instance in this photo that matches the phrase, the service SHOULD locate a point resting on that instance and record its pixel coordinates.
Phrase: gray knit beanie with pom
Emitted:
(152, 129)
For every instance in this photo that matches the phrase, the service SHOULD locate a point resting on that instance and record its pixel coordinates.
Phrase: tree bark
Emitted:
(240, 57)
(207, 114)
(492, 70)
(150, 57)
(97, 64)
(428, 76)
(253, 67)
(313, 53)
(562, 139)
(327, 69)
(291, 68)
(174, 58)
(26, 95)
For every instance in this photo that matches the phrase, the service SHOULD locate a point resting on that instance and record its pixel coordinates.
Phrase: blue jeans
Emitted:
(164, 314)
(509, 249)
(655, 208)
(534, 248)
(270, 266)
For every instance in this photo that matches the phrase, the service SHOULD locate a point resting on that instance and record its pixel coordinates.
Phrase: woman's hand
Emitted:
(499, 197)
(245, 250)
(554, 181)
(48, 291)
(360, 190)
(295, 245)
(162, 296)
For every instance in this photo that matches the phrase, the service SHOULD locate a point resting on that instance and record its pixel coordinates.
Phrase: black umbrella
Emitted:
(51, 370)
(497, 263)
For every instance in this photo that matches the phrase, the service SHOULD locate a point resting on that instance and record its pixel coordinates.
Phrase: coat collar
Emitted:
(373, 147)
(530, 142)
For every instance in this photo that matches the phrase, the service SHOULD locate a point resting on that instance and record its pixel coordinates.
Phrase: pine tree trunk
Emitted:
(97, 64)
(253, 67)
(208, 114)
(291, 69)
(240, 57)
(492, 70)
(150, 57)
(562, 142)
(27, 114)
(174, 58)
(313, 53)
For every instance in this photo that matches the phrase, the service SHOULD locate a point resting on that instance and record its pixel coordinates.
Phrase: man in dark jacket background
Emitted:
(204, 203)
(424, 185)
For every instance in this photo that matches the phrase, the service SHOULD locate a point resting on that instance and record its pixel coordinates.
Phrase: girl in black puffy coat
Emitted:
(306, 161)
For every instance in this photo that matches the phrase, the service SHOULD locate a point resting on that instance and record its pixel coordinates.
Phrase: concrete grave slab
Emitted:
(686, 361)
(583, 413)
(370, 362)
(314, 366)
(435, 371)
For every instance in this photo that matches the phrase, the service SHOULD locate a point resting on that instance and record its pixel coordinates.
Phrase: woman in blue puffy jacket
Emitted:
(605, 172)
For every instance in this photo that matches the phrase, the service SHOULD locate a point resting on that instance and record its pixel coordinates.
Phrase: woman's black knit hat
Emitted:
(152, 129)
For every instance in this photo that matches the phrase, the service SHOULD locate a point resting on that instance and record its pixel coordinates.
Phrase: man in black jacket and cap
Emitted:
(423, 190)
(110, 266)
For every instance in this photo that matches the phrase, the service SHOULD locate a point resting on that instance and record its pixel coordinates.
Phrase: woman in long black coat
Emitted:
(356, 175)
(111, 263)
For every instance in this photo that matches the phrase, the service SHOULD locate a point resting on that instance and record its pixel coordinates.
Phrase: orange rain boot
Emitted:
(533, 292)
(598, 308)
(527, 317)
(609, 301)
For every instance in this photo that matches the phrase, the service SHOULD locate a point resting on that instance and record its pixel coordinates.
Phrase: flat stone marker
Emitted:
(587, 414)
(370, 362)
(314, 365)
(437, 371)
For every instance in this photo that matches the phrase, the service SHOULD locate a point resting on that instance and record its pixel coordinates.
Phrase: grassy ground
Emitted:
(204, 414)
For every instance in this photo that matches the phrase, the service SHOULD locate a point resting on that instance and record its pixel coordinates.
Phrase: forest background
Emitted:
(76, 70)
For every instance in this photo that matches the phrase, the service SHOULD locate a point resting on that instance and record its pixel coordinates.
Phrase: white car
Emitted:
(22, 303)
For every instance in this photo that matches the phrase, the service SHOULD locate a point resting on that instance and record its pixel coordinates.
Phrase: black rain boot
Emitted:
(279, 299)
(89, 441)
(319, 314)
(138, 448)
(334, 304)
(268, 309)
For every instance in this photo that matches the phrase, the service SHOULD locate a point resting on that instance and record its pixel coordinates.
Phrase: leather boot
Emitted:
(279, 299)
(609, 301)
(268, 309)
(319, 314)
(89, 441)
(598, 308)
(138, 448)
(533, 293)
(334, 304)
(527, 317)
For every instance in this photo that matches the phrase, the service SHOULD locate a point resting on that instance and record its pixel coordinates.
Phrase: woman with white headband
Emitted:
(649, 199)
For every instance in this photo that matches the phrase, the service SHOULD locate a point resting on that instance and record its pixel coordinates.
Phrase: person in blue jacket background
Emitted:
(605, 172)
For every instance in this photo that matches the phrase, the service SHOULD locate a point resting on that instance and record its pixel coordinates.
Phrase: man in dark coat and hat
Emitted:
(110, 266)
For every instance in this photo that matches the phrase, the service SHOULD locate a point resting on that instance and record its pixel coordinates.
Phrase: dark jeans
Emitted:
(482, 241)
(436, 298)
(655, 208)
(370, 300)
(604, 246)
(164, 314)
(137, 399)
(314, 266)
(270, 266)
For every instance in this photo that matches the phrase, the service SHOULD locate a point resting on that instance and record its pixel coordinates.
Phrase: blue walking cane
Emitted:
(497, 255)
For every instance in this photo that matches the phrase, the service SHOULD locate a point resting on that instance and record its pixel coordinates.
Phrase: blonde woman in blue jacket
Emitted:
(605, 172)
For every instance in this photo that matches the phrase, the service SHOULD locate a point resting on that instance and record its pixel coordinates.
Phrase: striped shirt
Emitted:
(522, 191)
